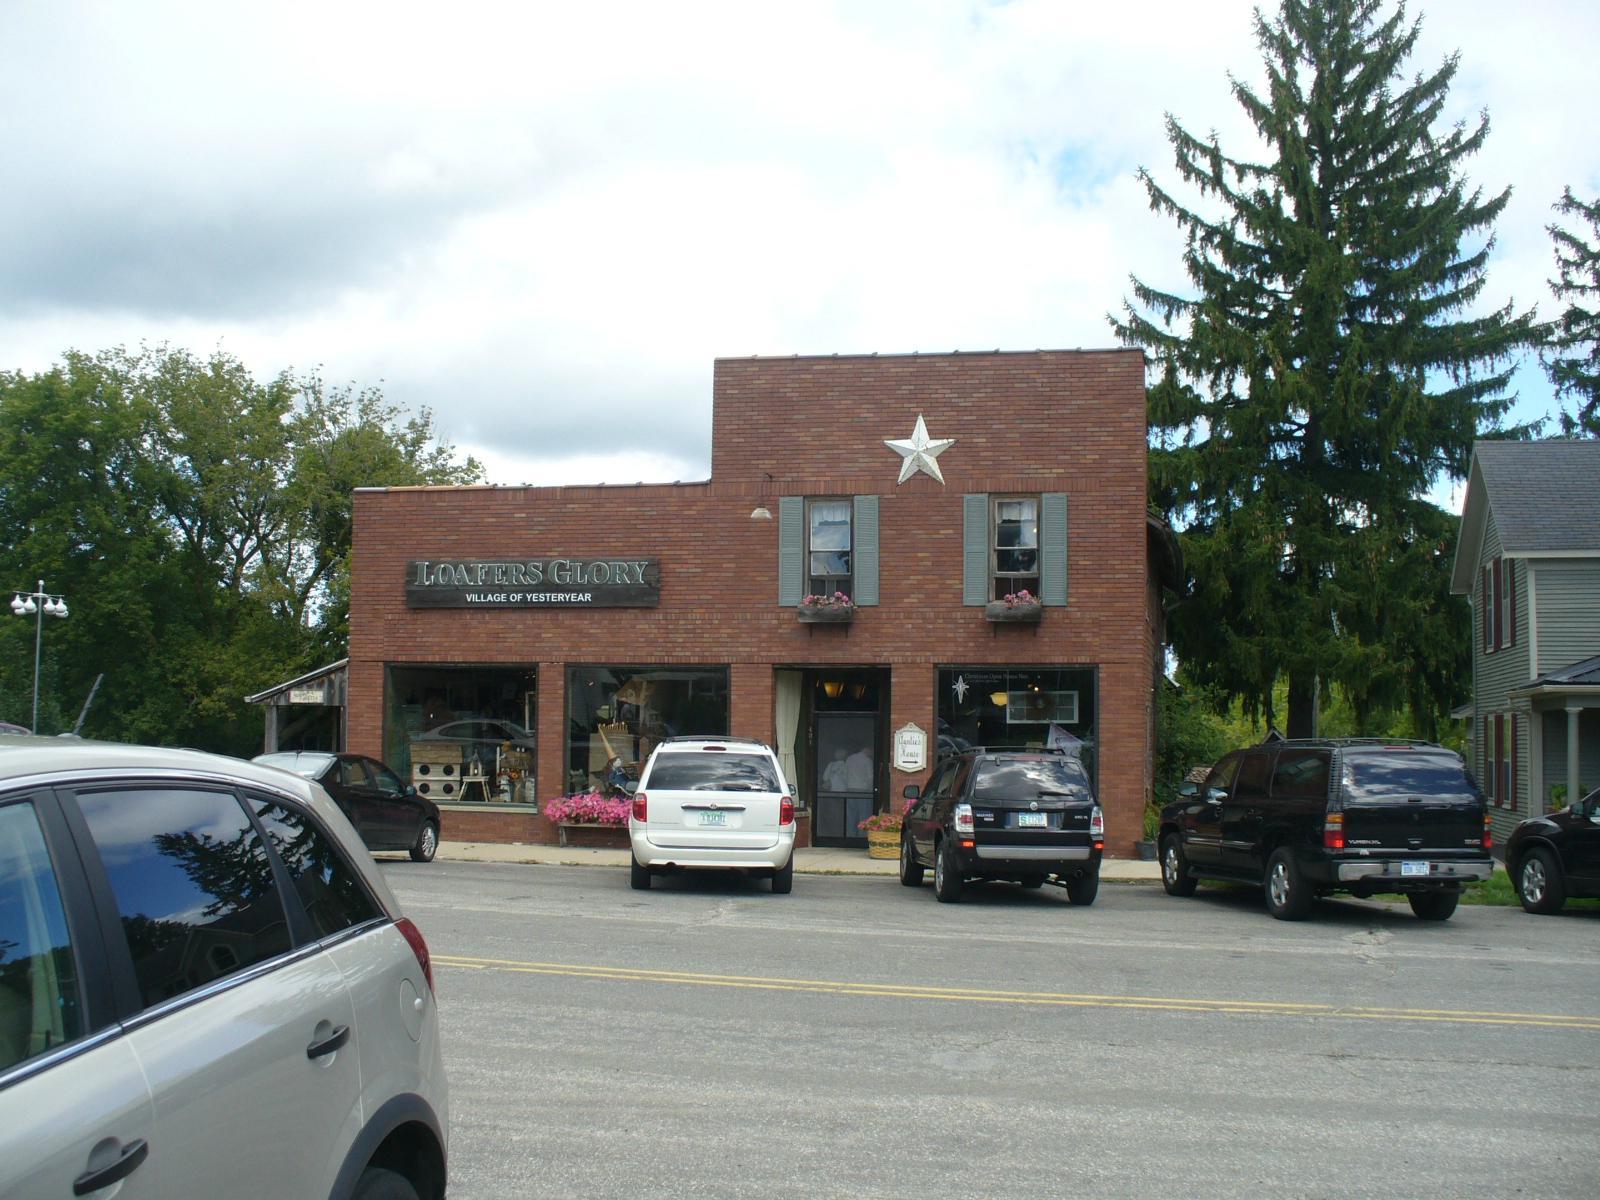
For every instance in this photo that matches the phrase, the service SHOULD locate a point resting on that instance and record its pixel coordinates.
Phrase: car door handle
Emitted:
(328, 1045)
(134, 1153)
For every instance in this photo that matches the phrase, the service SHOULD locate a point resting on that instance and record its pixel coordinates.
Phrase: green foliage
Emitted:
(1189, 733)
(1572, 354)
(198, 521)
(1329, 363)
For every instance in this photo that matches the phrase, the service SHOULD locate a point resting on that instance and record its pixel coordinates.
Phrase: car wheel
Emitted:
(1082, 889)
(946, 873)
(379, 1184)
(1434, 906)
(639, 877)
(783, 878)
(1175, 875)
(910, 868)
(1288, 895)
(1539, 883)
(1032, 881)
(427, 843)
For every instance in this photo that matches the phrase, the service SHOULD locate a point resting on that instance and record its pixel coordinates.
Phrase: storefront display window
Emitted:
(1018, 707)
(621, 713)
(463, 733)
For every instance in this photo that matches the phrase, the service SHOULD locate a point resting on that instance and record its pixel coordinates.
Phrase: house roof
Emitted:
(1545, 497)
(1583, 674)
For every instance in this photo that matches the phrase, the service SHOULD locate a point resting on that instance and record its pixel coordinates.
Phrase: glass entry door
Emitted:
(846, 776)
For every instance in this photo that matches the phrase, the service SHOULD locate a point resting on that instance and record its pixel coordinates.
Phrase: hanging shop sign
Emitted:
(910, 748)
(534, 583)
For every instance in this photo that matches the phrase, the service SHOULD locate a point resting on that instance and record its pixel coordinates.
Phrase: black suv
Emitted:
(1306, 818)
(1021, 815)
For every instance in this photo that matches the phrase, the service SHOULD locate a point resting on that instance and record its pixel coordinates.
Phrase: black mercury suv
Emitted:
(1306, 818)
(1021, 815)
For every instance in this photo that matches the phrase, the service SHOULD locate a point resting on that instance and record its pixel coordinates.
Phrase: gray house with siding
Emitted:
(1528, 558)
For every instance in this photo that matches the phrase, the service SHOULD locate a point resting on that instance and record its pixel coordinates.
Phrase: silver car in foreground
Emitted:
(206, 988)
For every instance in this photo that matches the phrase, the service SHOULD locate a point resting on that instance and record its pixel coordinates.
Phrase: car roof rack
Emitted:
(1008, 750)
(1347, 741)
(713, 737)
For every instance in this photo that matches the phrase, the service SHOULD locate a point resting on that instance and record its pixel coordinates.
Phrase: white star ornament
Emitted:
(919, 452)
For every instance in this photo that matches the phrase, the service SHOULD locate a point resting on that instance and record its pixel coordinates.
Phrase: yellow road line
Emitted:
(895, 991)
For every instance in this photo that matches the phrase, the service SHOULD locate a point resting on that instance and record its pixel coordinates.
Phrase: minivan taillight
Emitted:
(963, 817)
(641, 807)
(786, 811)
(419, 947)
(1333, 831)
(1097, 827)
(1488, 832)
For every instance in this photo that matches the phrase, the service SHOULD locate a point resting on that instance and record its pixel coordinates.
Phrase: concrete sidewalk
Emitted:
(814, 860)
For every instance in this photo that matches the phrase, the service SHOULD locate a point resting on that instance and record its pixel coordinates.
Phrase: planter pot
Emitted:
(1001, 613)
(584, 833)
(810, 614)
(1146, 850)
(883, 843)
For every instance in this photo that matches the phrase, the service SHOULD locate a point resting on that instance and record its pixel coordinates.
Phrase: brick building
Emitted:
(512, 644)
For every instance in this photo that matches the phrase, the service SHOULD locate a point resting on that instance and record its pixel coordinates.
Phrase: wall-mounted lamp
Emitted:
(833, 688)
(763, 513)
(999, 698)
(858, 690)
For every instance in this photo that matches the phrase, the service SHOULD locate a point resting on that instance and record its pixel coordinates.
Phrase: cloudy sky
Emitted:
(545, 221)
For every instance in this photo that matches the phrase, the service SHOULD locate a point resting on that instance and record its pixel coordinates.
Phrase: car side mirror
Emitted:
(411, 790)
(912, 792)
(1215, 795)
(630, 786)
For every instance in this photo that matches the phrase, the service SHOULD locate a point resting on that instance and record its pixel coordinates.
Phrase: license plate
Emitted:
(1413, 868)
(713, 818)
(1033, 818)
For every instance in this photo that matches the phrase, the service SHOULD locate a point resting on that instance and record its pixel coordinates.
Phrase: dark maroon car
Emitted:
(388, 814)
(1557, 856)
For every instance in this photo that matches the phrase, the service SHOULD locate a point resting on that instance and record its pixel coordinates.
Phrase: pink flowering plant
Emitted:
(588, 808)
(888, 821)
(1020, 599)
(836, 601)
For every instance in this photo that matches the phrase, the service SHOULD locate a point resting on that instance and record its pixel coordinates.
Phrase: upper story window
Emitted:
(829, 556)
(1014, 549)
(1499, 605)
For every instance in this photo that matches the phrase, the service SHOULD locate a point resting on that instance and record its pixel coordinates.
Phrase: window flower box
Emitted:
(837, 609)
(1019, 608)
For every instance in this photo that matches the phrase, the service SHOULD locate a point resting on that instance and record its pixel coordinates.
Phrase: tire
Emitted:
(1082, 889)
(783, 878)
(1175, 877)
(1539, 882)
(427, 843)
(910, 869)
(1288, 895)
(1031, 882)
(639, 876)
(946, 873)
(378, 1184)
(1434, 906)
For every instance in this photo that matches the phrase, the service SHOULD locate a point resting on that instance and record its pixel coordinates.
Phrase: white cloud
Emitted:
(545, 221)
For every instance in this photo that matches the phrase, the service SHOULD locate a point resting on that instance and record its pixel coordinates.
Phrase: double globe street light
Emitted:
(37, 604)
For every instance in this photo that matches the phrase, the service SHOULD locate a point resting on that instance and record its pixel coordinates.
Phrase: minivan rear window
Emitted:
(1378, 775)
(1029, 778)
(713, 771)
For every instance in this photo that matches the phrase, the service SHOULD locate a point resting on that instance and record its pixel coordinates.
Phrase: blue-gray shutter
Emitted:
(866, 550)
(791, 549)
(1053, 548)
(975, 583)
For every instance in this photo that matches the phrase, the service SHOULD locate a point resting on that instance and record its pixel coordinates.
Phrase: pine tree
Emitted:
(1328, 368)
(1572, 355)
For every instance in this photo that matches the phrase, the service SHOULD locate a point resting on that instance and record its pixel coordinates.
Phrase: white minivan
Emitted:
(713, 802)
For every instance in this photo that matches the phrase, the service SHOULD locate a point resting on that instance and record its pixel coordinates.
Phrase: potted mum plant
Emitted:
(821, 609)
(1021, 607)
(883, 832)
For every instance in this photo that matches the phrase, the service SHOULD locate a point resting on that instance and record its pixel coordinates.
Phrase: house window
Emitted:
(1014, 549)
(1506, 611)
(828, 547)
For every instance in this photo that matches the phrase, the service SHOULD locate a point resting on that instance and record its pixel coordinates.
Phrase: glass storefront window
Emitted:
(463, 733)
(623, 712)
(1020, 708)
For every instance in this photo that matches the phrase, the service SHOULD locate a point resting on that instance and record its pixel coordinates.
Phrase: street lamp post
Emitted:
(36, 604)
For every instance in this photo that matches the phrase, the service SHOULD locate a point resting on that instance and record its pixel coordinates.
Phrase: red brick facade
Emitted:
(1058, 421)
